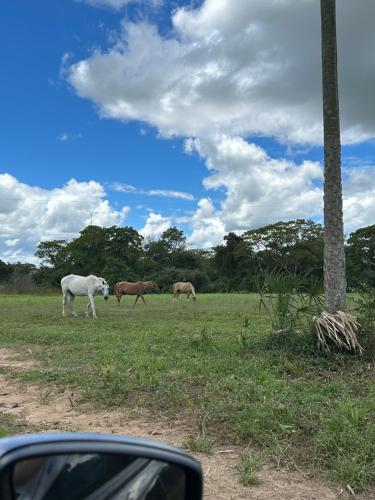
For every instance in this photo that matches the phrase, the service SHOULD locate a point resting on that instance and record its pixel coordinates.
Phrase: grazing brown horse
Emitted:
(126, 288)
(183, 287)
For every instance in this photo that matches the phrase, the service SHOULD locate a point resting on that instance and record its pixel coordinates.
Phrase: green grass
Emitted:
(214, 360)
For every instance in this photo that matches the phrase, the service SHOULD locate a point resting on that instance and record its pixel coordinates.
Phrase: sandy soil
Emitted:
(58, 410)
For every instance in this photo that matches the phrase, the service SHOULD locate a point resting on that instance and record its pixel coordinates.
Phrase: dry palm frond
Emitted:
(340, 328)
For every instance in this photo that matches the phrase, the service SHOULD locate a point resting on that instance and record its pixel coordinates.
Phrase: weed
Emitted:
(45, 396)
(281, 454)
(244, 336)
(249, 467)
(203, 340)
(198, 444)
(108, 373)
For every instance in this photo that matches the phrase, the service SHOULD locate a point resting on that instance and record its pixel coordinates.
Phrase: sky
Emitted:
(202, 114)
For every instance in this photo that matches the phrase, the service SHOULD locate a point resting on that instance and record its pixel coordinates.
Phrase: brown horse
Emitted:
(126, 288)
(183, 287)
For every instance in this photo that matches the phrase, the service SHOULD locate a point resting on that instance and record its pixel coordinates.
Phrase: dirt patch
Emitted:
(57, 410)
(9, 359)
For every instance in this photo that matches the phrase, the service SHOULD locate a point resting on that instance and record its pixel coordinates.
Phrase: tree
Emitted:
(50, 252)
(174, 240)
(361, 257)
(89, 252)
(168, 250)
(333, 323)
(124, 243)
(334, 251)
(235, 264)
(294, 247)
(117, 270)
(5, 271)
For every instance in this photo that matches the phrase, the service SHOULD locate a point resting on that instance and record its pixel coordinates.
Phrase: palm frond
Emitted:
(340, 328)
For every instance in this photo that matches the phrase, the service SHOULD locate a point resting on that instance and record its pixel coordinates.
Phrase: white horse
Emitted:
(73, 285)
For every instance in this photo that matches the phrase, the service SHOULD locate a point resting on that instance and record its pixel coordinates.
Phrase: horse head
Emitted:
(154, 285)
(105, 289)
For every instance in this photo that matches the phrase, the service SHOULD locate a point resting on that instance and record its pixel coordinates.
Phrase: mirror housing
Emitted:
(151, 462)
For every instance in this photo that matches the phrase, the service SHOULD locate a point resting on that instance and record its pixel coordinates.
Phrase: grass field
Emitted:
(239, 384)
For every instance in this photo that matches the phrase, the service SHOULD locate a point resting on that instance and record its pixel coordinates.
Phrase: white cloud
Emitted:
(168, 193)
(30, 214)
(11, 243)
(65, 58)
(359, 196)
(165, 193)
(243, 67)
(123, 188)
(258, 189)
(208, 228)
(155, 225)
(67, 136)
(118, 4)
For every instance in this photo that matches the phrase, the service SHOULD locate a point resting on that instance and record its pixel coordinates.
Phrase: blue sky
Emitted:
(39, 109)
(168, 113)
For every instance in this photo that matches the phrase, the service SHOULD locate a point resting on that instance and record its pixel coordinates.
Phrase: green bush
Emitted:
(288, 302)
(365, 307)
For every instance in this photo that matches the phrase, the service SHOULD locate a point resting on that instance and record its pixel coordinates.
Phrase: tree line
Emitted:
(238, 264)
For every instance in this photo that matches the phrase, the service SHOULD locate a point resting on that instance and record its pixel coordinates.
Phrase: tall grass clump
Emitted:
(346, 444)
(250, 464)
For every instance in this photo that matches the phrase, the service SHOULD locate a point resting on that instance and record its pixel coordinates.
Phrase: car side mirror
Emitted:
(79, 466)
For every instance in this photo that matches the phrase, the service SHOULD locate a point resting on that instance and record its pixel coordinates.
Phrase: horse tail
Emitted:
(68, 297)
(193, 292)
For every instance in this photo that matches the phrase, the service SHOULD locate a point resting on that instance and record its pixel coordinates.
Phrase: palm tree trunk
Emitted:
(334, 252)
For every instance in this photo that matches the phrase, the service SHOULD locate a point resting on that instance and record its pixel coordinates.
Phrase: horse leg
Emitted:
(65, 293)
(118, 297)
(71, 304)
(143, 299)
(88, 308)
(92, 303)
(137, 297)
(188, 296)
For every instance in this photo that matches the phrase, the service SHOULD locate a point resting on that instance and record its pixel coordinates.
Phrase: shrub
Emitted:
(365, 307)
(288, 302)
